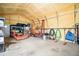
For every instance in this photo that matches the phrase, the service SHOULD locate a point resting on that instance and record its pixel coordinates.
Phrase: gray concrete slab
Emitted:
(38, 47)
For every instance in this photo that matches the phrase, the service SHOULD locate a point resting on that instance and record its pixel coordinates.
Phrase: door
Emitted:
(78, 34)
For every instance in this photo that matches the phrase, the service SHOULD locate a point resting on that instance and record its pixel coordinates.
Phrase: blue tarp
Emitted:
(70, 36)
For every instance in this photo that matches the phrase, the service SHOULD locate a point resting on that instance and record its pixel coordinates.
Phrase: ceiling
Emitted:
(36, 10)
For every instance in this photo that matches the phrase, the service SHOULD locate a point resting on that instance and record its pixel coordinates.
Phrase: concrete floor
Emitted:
(37, 47)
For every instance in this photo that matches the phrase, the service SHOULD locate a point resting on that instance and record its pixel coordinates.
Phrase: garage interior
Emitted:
(39, 29)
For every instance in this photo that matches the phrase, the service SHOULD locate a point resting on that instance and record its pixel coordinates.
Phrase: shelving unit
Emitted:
(2, 25)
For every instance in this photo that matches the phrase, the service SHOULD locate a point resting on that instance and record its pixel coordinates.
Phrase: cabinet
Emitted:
(77, 27)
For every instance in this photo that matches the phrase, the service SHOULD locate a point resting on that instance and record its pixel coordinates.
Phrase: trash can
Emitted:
(45, 36)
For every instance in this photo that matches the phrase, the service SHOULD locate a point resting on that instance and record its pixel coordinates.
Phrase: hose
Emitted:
(58, 35)
(52, 32)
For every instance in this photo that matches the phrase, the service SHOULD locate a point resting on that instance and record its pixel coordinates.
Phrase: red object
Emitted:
(39, 33)
(19, 37)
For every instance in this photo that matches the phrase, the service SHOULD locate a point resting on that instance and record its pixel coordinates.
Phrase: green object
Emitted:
(58, 34)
